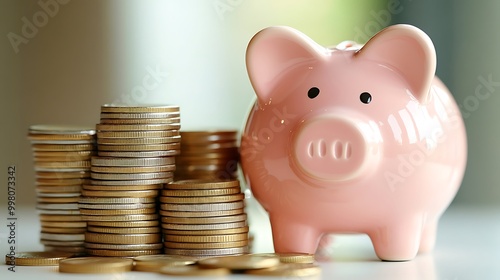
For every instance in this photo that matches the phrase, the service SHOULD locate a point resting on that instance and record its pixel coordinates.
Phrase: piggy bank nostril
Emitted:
(348, 150)
(337, 150)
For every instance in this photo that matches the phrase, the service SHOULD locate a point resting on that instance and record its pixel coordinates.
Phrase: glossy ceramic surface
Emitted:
(352, 139)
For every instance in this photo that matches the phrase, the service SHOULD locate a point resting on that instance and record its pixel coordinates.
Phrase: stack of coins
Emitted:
(204, 218)
(209, 154)
(62, 162)
(136, 149)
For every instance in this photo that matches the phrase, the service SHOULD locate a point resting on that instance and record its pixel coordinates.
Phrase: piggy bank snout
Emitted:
(333, 148)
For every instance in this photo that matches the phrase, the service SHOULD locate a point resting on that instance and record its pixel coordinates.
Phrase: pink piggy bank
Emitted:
(352, 139)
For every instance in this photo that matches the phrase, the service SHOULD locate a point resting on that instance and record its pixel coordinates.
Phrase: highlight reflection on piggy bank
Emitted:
(352, 139)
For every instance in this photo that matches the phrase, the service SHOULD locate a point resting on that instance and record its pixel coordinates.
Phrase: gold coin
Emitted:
(130, 230)
(116, 200)
(209, 192)
(139, 148)
(114, 108)
(75, 154)
(122, 188)
(122, 247)
(62, 164)
(144, 169)
(162, 115)
(138, 127)
(230, 168)
(242, 262)
(61, 182)
(62, 147)
(57, 206)
(140, 162)
(59, 212)
(211, 245)
(137, 134)
(187, 146)
(62, 175)
(206, 232)
(190, 270)
(95, 265)
(110, 206)
(201, 213)
(70, 199)
(202, 184)
(203, 207)
(207, 153)
(36, 258)
(129, 224)
(155, 262)
(292, 257)
(103, 214)
(131, 176)
(62, 224)
(288, 270)
(202, 199)
(204, 220)
(207, 252)
(148, 154)
(120, 218)
(145, 193)
(204, 227)
(124, 253)
(183, 161)
(207, 238)
(141, 121)
(201, 137)
(58, 195)
(63, 230)
(131, 182)
(61, 243)
(62, 236)
(39, 137)
(60, 218)
(122, 238)
(68, 249)
(58, 189)
(64, 159)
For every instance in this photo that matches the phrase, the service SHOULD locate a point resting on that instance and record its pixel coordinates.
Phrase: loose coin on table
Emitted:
(95, 265)
(36, 258)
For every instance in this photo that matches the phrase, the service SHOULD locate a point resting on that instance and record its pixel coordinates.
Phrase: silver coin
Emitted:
(117, 206)
(140, 115)
(60, 129)
(139, 141)
(204, 227)
(63, 142)
(153, 161)
(131, 176)
(203, 207)
(62, 236)
(207, 252)
(116, 200)
(138, 127)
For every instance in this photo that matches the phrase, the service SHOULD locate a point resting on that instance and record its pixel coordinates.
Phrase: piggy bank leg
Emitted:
(397, 242)
(428, 239)
(293, 237)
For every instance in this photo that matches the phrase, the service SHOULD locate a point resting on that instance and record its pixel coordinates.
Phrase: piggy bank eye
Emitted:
(365, 97)
(313, 92)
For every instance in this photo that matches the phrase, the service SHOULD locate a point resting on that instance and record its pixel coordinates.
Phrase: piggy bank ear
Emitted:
(274, 51)
(409, 51)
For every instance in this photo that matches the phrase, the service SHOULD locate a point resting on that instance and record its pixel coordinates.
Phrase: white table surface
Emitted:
(468, 247)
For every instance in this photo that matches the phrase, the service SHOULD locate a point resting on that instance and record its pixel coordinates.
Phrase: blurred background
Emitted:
(60, 60)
